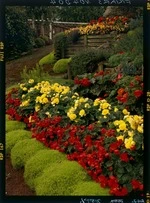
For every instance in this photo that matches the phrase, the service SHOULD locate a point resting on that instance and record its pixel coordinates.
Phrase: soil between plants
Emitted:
(15, 185)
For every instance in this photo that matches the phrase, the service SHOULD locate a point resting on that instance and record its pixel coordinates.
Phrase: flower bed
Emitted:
(103, 26)
(102, 136)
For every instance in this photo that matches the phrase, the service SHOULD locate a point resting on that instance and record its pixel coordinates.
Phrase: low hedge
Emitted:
(58, 179)
(36, 164)
(14, 125)
(89, 188)
(39, 42)
(15, 136)
(86, 61)
(61, 66)
(48, 59)
(23, 151)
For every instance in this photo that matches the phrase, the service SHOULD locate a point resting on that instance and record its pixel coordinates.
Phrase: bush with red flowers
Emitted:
(116, 88)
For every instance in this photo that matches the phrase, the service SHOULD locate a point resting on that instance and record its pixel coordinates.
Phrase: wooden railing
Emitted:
(89, 41)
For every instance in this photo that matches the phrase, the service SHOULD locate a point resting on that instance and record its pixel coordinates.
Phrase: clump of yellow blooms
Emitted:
(79, 107)
(76, 108)
(25, 103)
(127, 127)
(47, 93)
(103, 106)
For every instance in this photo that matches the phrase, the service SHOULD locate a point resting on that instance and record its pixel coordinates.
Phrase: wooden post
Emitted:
(69, 72)
(42, 26)
(51, 31)
(85, 41)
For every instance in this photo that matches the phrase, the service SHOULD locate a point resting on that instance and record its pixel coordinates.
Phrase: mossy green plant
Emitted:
(48, 59)
(23, 151)
(36, 164)
(14, 125)
(89, 188)
(15, 136)
(58, 179)
(61, 65)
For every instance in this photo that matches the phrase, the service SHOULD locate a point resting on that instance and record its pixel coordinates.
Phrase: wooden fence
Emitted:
(51, 28)
(89, 41)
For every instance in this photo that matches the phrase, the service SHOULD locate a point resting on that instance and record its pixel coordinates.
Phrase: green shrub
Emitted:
(14, 125)
(36, 164)
(24, 150)
(60, 45)
(46, 39)
(37, 74)
(18, 34)
(58, 179)
(86, 61)
(131, 43)
(61, 65)
(73, 36)
(15, 136)
(39, 42)
(89, 188)
(135, 23)
(117, 59)
(48, 59)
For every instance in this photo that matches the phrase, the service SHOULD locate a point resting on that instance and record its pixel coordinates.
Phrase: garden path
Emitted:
(14, 184)
(15, 67)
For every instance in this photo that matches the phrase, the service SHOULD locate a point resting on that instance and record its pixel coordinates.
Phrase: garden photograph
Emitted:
(74, 101)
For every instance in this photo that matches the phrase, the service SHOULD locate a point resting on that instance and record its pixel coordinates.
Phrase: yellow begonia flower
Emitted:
(115, 109)
(37, 108)
(72, 109)
(23, 96)
(116, 122)
(140, 128)
(87, 105)
(82, 100)
(48, 114)
(31, 89)
(45, 100)
(82, 113)
(105, 112)
(136, 118)
(55, 100)
(133, 125)
(65, 91)
(24, 89)
(129, 143)
(31, 81)
(105, 105)
(72, 116)
(76, 103)
(96, 102)
(130, 133)
(122, 126)
(25, 103)
(125, 112)
(121, 137)
(21, 86)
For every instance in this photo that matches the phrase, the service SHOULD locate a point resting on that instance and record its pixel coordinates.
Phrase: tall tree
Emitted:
(79, 13)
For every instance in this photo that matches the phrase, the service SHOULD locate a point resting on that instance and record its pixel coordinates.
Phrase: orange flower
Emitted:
(120, 91)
